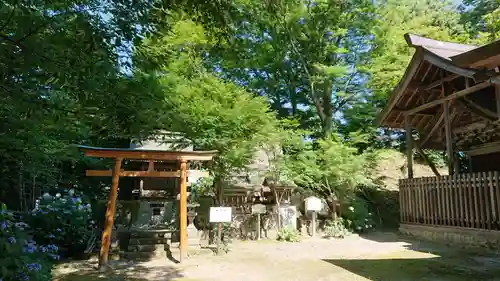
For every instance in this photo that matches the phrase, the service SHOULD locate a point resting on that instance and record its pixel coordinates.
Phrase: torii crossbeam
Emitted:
(120, 154)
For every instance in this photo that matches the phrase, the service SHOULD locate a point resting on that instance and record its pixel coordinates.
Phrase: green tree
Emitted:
(64, 79)
(474, 15)
(210, 112)
(301, 55)
(333, 170)
(390, 55)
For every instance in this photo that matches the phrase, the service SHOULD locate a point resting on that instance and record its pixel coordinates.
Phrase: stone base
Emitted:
(467, 237)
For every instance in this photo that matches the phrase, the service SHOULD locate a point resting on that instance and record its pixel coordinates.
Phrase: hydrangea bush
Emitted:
(21, 259)
(357, 217)
(64, 219)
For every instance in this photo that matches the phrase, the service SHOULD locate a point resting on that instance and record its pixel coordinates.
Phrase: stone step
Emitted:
(143, 256)
(151, 233)
(147, 248)
(148, 241)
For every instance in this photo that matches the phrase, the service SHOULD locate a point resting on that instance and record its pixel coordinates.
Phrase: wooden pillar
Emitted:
(449, 142)
(497, 97)
(110, 216)
(183, 210)
(409, 146)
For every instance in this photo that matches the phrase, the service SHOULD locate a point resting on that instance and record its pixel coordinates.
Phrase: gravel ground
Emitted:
(379, 257)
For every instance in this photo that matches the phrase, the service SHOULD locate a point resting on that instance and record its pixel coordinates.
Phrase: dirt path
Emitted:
(378, 257)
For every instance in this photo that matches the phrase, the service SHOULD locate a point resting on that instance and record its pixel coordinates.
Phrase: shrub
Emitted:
(336, 229)
(21, 259)
(64, 220)
(288, 234)
(384, 205)
(357, 216)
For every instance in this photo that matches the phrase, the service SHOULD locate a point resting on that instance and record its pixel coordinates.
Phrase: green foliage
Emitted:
(63, 220)
(492, 23)
(21, 258)
(288, 235)
(478, 16)
(333, 170)
(302, 53)
(210, 112)
(336, 229)
(66, 78)
(390, 56)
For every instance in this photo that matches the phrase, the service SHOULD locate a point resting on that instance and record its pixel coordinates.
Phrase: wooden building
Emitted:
(449, 99)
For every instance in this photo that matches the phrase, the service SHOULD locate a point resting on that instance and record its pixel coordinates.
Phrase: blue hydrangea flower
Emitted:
(29, 249)
(52, 236)
(52, 248)
(43, 249)
(34, 266)
(59, 230)
(12, 240)
(301, 21)
(3, 226)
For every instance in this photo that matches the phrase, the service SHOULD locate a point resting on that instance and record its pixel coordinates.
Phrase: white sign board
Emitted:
(220, 214)
(313, 204)
(258, 209)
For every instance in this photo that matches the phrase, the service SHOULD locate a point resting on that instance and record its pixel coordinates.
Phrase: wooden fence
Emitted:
(464, 200)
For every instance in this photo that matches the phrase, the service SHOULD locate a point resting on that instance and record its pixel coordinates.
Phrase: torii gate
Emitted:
(120, 154)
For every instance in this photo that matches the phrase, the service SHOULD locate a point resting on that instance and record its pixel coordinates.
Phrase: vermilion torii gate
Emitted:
(120, 154)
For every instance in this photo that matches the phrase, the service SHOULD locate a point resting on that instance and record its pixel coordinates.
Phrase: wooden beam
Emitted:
(455, 95)
(183, 210)
(449, 143)
(427, 160)
(409, 146)
(151, 166)
(137, 154)
(440, 81)
(486, 148)
(416, 114)
(110, 217)
(146, 174)
(479, 110)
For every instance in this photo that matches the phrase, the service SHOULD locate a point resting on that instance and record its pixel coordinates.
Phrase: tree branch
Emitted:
(9, 18)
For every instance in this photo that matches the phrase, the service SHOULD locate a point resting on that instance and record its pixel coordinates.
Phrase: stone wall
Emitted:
(466, 237)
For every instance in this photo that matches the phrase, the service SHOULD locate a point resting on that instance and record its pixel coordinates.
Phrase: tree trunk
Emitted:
(333, 208)
(327, 111)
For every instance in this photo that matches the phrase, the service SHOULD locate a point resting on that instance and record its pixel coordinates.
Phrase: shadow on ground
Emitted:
(410, 269)
(124, 272)
(431, 261)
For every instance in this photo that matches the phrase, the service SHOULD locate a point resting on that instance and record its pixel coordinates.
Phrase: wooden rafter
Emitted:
(479, 110)
(440, 81)
(455, 95)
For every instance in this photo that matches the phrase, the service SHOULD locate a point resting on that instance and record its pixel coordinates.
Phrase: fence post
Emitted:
(492, 212)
